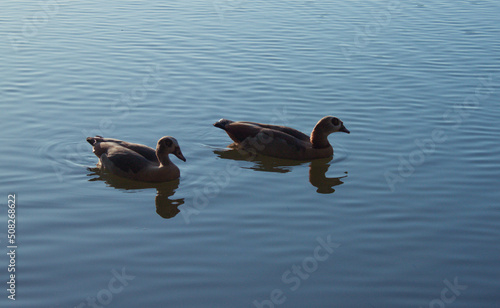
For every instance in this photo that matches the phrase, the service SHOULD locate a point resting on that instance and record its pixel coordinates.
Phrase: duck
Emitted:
(136, 161)
(281, 141)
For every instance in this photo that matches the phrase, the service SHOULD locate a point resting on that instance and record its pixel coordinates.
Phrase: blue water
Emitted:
(407, 207)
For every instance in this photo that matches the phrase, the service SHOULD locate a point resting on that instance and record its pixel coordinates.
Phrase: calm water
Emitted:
(405, 210)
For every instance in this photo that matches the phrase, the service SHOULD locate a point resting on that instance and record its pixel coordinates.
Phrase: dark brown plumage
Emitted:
(137, 161)
(282, 141)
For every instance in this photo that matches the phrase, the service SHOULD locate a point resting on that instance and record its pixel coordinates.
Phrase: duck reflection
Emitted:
(317, 168)
(318, 179)
(165, 207)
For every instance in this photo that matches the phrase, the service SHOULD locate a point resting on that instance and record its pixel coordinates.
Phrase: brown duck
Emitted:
(281, 141)
(137, 161)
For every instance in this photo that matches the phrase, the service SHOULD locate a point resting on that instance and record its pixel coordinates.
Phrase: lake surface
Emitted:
(405, 214)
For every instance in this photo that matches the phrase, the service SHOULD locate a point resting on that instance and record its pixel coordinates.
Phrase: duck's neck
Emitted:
(319, 139)
(164, 160)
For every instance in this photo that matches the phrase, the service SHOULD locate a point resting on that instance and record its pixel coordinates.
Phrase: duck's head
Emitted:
(331, 124)
(167, 145)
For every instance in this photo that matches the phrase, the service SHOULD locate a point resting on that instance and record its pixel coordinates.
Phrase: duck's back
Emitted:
(284, 129)
(239, 131)
(143, 150)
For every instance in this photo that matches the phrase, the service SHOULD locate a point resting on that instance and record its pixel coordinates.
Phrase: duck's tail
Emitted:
(222, 123)
(93, 140)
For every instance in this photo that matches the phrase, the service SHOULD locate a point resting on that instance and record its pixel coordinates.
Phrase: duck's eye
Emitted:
(167, 142)
(335, 121)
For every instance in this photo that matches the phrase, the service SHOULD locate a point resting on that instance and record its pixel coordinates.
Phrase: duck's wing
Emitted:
(287, 130)
(143, 150)
(271, 140)
(121, 160)
(239, 131)
(276, 143)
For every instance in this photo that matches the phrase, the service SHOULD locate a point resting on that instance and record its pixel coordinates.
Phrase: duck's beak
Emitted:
(343, 129)
(179, 155)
